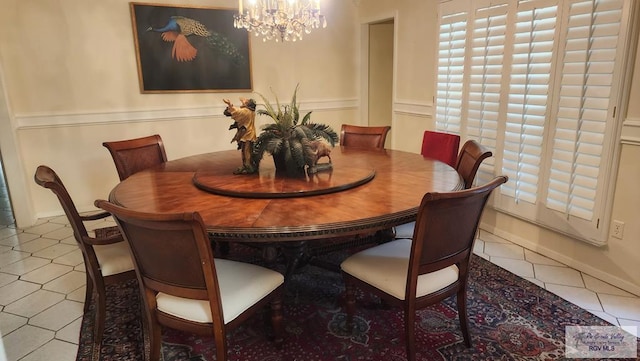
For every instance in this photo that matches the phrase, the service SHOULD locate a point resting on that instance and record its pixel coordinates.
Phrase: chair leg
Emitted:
(155, 338)
(277, 322)
(88, 296)
(410, 331)
(100, 316)
(350, 303)
(462, 315)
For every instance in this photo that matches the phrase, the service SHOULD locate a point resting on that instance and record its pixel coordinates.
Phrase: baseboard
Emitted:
(556, 256)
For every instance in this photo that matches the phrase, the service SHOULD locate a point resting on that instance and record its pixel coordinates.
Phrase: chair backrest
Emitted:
(172, 254)
(471, 156)
(446, 227)
(47, 178)
(134, 155)
(363, 137)
(441, 146)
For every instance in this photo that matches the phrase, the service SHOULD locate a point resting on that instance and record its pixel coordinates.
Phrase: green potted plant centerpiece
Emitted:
(295, 144)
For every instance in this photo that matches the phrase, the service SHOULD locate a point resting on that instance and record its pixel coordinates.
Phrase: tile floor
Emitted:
(42, 286)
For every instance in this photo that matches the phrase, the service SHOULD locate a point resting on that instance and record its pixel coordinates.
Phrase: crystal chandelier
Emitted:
(282, 20)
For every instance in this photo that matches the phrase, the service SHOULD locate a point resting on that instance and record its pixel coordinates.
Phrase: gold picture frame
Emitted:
(190, 49)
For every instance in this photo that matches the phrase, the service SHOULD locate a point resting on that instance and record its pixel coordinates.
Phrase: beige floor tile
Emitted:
(4, 249)
(577, 295)
(18, 238)
(59, 234)
(6, 232)
(535, 281)
(66, 283)
(59, 219)
(516, 266)
(625, 322)
(43, 228)
(25, 340)
(70, 240)
(77, 295)
(34, 303)
(57, 316)
(54, 350)
(558, 275)
(621, 307)
(70, 332)
(605, 316)
(10, 323)
(599, 286)
(25, 265)
(6, 278)
(492, 238)
(539, 259)
(70, 259)
(16, 290)
(7, 258)
(504, 250)
(46, 273)
(35, 245)
(55, 251)
(478, 246)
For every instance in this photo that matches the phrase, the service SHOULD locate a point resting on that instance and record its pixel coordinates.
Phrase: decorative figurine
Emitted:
(244, 121)
(317, 149)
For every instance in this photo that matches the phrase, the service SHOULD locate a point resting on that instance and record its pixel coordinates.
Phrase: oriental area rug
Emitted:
(510, 319)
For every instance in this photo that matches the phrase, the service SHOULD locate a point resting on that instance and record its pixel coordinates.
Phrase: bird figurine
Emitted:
(179, 28)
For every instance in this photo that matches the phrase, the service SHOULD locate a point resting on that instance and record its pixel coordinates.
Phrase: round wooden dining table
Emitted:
(363, 191)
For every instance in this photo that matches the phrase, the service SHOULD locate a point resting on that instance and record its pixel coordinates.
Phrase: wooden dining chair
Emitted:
(415, 273)
(107, 259)
(440, 146)
(471, 156)
(133, 155)
(183, 287)
(363, 137)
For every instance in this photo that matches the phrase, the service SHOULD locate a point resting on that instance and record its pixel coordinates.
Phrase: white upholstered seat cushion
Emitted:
(114, 258)
(241, 286)
(386, 266)
(405, 230)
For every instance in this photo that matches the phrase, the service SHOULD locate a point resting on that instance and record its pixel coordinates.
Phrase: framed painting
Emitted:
(190, 49)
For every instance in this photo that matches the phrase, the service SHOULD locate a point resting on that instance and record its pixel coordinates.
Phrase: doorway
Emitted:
(380, 75)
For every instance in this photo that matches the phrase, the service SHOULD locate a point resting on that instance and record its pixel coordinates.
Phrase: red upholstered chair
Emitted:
(441, 146)
(432, 266)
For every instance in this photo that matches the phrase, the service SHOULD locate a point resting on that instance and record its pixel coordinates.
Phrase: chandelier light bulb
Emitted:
(282, 20)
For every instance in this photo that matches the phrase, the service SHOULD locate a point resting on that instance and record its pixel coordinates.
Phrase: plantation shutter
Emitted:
(528, 100)
(584, 107)
(451, 58)
(485, 80)
(540, 85)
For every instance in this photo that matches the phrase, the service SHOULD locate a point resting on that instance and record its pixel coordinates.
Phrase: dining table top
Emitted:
(364, 190)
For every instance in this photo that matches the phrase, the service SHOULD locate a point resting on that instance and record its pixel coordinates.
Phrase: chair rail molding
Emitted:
(61, 119)
(414, 108)
(631, 131)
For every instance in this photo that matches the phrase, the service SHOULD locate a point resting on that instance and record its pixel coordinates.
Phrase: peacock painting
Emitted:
(179, 28)
(190, 49)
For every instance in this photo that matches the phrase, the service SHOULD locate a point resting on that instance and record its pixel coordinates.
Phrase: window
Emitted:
(537, 82)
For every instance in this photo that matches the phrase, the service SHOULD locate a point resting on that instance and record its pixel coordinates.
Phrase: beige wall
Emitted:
(71, 82)
(416, 52)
